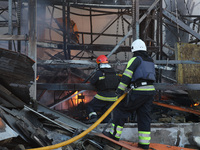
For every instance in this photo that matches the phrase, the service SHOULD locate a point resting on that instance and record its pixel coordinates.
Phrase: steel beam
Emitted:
(176, 62)
(92, 64)
(13, 37)
(93, 47)
(88, 86)
(67, 63)
(180, 23)
(32, 50)
(65, 86)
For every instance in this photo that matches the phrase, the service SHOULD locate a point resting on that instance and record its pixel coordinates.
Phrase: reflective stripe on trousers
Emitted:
(116, 130)
(144, 137)
(92, 113)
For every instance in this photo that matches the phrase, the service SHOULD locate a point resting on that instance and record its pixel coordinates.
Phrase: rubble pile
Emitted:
(22, 128)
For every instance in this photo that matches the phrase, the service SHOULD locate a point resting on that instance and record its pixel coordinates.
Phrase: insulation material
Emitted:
(189, 73)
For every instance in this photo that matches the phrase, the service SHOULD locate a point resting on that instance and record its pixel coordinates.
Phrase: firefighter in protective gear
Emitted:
(106, 81)
(139, 75)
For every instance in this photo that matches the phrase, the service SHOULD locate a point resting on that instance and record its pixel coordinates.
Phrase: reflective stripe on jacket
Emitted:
(105, 98)
(129, 73)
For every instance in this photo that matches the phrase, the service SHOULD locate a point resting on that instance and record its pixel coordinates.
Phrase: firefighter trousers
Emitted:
(96, 105)
(138, 103)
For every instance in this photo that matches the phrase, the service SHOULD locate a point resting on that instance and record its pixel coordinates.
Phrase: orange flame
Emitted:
(195, 104)
(37, 78)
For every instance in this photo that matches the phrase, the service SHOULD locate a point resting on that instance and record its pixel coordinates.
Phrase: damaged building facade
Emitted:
(48, 50)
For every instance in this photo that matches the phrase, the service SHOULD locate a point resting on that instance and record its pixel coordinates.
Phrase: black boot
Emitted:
(92, 120)
(145, 147)
(108, 134)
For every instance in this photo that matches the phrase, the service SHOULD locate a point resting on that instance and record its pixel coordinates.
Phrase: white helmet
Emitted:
(138, 45)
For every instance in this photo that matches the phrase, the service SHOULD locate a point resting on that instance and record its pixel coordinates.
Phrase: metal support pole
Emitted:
(137, 24)
(19, 7)
(32, 49)
(159, 43)
(135, 19)
(10, 27)
(68, 30)
(161, 31)
(91, 31)
(64, 28)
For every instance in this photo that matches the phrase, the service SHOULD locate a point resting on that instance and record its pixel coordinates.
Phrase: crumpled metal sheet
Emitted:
(20, 121)
(5, 131)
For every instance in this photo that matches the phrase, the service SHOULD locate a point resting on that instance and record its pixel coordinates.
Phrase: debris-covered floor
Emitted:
(27, 127)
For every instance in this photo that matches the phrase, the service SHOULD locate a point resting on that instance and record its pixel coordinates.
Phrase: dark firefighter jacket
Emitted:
(139, 72)
(106, 81)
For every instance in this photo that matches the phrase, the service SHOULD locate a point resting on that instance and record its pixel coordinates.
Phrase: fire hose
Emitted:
(84, 132)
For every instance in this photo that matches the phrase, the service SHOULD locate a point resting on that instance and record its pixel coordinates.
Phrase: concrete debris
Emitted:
(196, 134)
(181, 134)
(197, 140)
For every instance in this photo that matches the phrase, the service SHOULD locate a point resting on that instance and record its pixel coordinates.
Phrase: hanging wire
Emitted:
(166, 5)
(171, 2)
(187, 7)
(18, 19)
(52, 13)
(117, 31)
(176, 7)
(123, 30)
